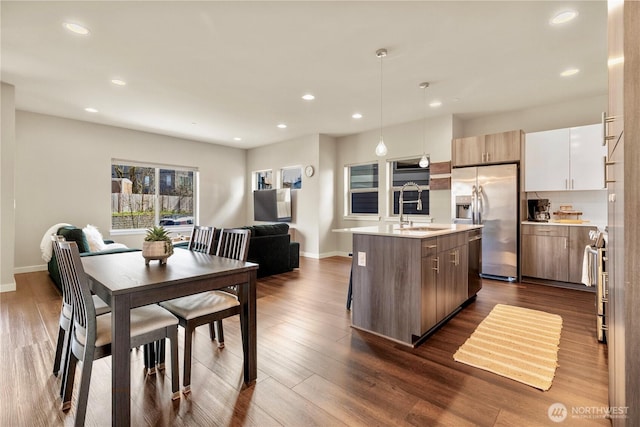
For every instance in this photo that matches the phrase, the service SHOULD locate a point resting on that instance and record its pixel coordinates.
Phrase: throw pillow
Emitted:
(75, 234)
(94, 238)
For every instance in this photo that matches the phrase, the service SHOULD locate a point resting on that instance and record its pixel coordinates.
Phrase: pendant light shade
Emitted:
(424, 160)
(381, 148)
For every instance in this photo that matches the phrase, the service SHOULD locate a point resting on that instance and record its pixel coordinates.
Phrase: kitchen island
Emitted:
(409, 281)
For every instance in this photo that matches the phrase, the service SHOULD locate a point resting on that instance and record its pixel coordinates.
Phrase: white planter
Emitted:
(156, 251)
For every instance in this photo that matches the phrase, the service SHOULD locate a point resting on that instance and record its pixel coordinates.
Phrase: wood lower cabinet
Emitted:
(403, 287)
(554, 252)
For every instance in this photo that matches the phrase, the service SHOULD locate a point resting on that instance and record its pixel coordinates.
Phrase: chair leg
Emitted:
(212, 331)
(220, 333)
(186, 380)
(83, 393)
(175, 376)
(67, 383)
(349, 292)
(160, 353)
(66, 353)
(59, 348)
(149, 359)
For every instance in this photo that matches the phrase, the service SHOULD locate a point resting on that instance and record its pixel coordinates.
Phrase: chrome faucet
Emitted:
(401, 201)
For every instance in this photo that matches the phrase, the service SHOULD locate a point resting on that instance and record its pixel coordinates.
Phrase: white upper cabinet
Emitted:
(565, 159)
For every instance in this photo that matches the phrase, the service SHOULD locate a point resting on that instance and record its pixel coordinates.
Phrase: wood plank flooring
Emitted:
(313, 368)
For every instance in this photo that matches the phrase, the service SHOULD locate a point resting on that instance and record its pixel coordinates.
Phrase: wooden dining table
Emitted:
(124, 282)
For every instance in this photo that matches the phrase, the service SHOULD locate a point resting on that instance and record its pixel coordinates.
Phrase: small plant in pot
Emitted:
(157, 245)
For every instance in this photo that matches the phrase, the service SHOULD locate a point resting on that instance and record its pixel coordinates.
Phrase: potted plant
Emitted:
(157, 245)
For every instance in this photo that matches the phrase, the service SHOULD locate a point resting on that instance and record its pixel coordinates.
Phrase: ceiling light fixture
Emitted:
(282, 126)
(563, 17)
(90, 110)
(118, 82)
(356, 115)
(308, 97)
(381, 149)
(237, 138)
(76, 28)
(570, 72)
(424, 160)
(435, 104)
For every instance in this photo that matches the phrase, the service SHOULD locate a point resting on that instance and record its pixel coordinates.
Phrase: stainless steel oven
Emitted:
(599, 277)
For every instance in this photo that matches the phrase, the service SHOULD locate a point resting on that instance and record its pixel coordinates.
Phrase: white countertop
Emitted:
(416, 231)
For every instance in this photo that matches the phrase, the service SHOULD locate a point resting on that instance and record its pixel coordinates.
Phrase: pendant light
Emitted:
(424, 161)
(381, 149)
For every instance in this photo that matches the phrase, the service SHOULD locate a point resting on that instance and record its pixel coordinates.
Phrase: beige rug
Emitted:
(517, 343)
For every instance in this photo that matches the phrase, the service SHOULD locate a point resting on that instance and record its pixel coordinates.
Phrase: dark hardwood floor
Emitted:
(313, 369)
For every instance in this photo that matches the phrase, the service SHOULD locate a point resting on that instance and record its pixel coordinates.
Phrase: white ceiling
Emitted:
(212, 71)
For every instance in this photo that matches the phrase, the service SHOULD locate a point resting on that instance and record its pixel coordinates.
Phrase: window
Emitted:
(138, 203)
(363, 189)
(403, 171)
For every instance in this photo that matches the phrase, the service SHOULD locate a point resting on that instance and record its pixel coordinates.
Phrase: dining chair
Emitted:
(91, 334)
(201, 240)
(66, 317)
(212, 306)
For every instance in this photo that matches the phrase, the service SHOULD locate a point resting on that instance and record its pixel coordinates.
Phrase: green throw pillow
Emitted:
(75, 234)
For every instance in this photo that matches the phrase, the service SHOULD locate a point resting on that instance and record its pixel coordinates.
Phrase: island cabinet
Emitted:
(404, 287)
(504, 147)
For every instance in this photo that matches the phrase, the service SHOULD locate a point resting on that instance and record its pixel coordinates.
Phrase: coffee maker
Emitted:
(539, 210)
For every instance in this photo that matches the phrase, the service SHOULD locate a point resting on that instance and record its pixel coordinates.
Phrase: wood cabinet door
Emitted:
(502, 147)
(461, 283)
(587, 157)
(428, 296)
(545, 257)
(578, 241)
(445, 284)
(547, 160)
(468, 151)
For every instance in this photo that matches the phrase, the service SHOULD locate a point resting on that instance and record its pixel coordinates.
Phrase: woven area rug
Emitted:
(517, 343)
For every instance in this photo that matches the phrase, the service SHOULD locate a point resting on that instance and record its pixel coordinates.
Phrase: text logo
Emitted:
(557, 412)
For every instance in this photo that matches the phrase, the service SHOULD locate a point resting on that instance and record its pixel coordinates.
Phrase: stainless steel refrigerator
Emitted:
(489, 195)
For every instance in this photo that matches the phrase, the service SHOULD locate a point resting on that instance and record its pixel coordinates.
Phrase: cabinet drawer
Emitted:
(429, 247)
(546, 230)
(452, 241)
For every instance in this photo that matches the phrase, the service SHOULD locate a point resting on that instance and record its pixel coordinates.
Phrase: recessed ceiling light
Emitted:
(435, 104)
(237, 138)
(118, 82)
(282, 126)
(569, 72)
(356, 115)
(76, 28)
(90, 110)
(563, 17)
(308, 97)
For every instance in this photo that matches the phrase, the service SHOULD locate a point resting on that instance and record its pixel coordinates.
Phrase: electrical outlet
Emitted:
(362, 259)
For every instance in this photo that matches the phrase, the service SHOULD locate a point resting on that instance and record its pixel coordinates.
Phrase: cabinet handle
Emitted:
(606, 174)
(457, 257)
(572, 184)
(430, 247)
(436, 262)
(488, 156)
(565, 243)
(605, 129)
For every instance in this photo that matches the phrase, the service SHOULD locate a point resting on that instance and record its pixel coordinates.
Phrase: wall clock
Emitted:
(309, 171)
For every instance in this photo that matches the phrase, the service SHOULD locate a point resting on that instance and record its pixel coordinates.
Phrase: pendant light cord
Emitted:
(381, 56)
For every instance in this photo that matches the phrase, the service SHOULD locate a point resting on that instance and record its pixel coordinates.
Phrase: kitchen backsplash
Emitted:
(592, 204)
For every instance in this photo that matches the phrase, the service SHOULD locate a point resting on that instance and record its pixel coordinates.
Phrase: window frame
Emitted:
(348, 191)
(157, 208)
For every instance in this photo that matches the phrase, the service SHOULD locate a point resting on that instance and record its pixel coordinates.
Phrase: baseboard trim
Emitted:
(30, 269)
(8, 287)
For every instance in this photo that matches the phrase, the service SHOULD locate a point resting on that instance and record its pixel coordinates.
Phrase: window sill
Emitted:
(361, 218)
(143, 231)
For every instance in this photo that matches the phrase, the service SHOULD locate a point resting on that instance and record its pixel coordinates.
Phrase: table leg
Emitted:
(249, 331)
(121, 366)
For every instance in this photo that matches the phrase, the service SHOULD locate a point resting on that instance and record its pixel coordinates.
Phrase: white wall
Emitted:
(577, 112)
(63, 174)
(327, 195)
(7, 188)
(305, 207)
(403, 141)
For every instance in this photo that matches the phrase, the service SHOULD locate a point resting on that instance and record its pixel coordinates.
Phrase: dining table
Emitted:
(124, 282)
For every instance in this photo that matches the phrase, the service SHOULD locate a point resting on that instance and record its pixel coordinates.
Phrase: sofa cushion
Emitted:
(268, 229)
(75, 234)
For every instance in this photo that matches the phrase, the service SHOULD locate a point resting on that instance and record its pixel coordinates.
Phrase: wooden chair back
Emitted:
(67, 299)
(84, 313)
(234, 243)
(202, 239)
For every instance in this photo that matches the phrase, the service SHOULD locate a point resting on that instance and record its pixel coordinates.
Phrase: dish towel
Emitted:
(586, 278)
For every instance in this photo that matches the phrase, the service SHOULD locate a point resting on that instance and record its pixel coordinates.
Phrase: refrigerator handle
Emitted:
(474, 199)
(480, 204)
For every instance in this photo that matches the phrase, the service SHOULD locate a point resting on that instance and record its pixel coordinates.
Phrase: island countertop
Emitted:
(415, 231)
